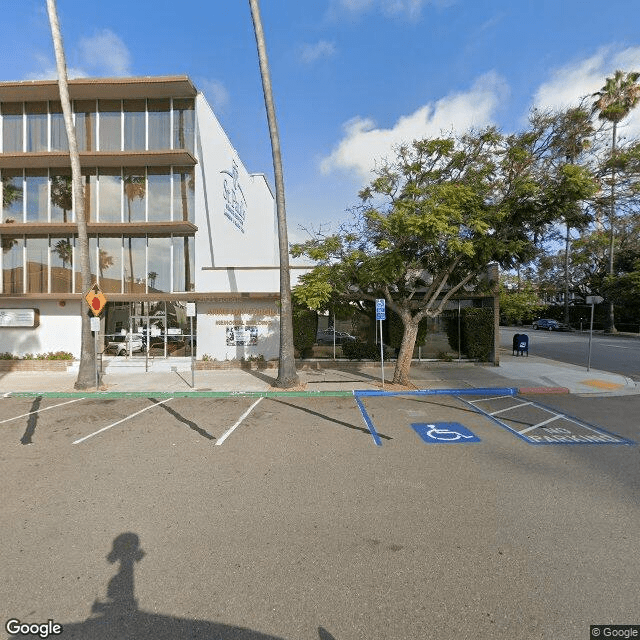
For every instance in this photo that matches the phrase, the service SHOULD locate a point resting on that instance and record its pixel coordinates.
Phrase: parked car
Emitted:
(326, 337)
(120, 344)
(550, 325)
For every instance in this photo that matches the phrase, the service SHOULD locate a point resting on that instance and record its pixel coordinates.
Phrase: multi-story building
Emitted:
(173, 218)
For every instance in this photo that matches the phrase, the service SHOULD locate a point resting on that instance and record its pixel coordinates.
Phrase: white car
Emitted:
(123, 344)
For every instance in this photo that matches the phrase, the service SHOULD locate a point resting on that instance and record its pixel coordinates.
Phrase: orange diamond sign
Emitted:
(95, 299)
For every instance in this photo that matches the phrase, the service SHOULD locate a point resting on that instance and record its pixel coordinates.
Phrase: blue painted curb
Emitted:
(474, 391)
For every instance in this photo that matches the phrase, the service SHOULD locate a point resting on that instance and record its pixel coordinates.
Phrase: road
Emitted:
(608, 353)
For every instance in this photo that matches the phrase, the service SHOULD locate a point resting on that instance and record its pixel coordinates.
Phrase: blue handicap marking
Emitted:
(444, 432)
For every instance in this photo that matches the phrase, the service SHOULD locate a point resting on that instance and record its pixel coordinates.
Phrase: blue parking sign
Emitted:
(380, 309)
(444, 433)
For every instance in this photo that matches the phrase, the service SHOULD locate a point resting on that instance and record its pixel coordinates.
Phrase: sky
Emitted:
(351, 78)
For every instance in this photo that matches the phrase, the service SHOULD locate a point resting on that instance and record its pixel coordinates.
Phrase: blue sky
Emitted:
(351, 78)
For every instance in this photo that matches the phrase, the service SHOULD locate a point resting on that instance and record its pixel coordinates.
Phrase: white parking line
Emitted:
(41, 410)
(230, 430)
(515, 406)
(540, 424)
(133, 415)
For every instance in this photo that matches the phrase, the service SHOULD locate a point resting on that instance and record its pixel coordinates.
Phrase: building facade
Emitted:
(175, 223)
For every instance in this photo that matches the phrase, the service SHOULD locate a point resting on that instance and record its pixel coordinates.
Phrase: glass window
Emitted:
(110, 207)
(37, 185)
(159, 124)
(110, 125)
(183, 263)
(59, 141)
(135, 265)
(61, 197)
(85, 111)
(36, 126)
(93, 250)
(110, 264)
(12, 265)
(12, 127)
(61, 264)
(183, 124)
(183, 193)
(135, 192)
(134, 125)
(12, 195)
(89, 180)
(37, 265)
(159, 180)
(159, 274)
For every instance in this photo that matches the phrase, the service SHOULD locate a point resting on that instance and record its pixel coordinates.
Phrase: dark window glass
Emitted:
(159, 181)
(12, 264)
(183, 193)
(37, 185)
(61, 264)
(93, 250)
(159, 274)
(183, 263)
(159, 124)
(61, 196)
(59, 141)
(135, 261)
(183, 124)
(12, 140)
(37, 126)
(12, 195)
(110, 197)
(110, 125)
(90, 182)
(135, 194)
(134, 125)
(85, 124)
(110, 264)
(37, 265)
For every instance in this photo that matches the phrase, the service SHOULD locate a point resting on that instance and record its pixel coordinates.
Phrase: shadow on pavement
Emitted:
(119, 618)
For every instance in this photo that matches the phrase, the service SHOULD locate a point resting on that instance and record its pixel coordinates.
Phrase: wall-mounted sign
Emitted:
(242, 336)
(235, 204)
(28, 318)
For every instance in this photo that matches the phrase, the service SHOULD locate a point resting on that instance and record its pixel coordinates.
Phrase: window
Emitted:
(110, 198)
(135, 262)
(135, 192)
(85, 111)
(61, 250)
(37, 265)
(61, 199)
(12, 127)
(93, 250)
(89, 180)
(159, 124)
(183, 193)
(110, 125)
(183, 263)
(134, 125)
(37, 126)
(12, 264)
(183, 124)
(59, 141)
(37, 185)
(159, 274)
(159, 181)
(12, 195)
(110, 264)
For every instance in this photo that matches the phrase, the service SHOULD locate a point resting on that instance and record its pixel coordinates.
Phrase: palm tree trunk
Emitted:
(287, 374)
(611, 327)
(86, 371)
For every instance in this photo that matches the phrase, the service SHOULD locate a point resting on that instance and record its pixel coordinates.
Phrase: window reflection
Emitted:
(85, 111)
(183, 124)
(61, 197)
(183, 263)
(12, 127)
(110, 127)
(89, 180)
(12, 195)
(159, 256)
(134, 125)
(59, 141)
(110, 264)
(135, 273)
(93, 250)
(61, 264)
(36, 126)
(12, 266)
(110, 196)
(37, 265)
(159, 181)
(159, 124)
(183, 193)
(134, 195)
(37, 185)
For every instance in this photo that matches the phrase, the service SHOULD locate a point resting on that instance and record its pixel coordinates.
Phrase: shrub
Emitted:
(305, 327)
(395, 330)
(478, 331)
(357, 350)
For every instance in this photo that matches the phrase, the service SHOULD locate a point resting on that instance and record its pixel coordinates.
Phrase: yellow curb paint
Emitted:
(601, 384)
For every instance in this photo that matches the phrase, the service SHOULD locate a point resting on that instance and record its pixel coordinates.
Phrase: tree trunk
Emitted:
(287, 375)
(403, 363)
(566, 275)
(611, 327)
(87, 369)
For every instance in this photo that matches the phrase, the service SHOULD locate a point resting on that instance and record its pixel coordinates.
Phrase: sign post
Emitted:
(381, 315)
(592, 300)
(96, 301)
(191, 311)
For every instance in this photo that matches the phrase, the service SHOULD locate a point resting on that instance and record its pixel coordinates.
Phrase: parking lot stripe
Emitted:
(541, 424)
(515, 406)
(367, 419)
(40, 410)
(230, 430)
(133, 415)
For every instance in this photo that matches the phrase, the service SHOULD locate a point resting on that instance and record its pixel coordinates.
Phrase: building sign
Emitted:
(235, 204)
(242, 336)
(26, 318)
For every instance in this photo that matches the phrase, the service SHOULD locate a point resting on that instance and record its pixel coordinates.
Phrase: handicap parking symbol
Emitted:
(444, 432)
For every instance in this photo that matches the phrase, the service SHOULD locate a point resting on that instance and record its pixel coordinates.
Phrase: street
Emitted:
(608, 353)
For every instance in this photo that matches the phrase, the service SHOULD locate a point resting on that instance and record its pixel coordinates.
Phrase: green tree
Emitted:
(519, 306)
(87, 368)
(287, 375)
(429, 224)
(613, 103)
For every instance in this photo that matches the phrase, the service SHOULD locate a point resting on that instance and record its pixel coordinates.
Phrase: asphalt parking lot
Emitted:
(283, 517)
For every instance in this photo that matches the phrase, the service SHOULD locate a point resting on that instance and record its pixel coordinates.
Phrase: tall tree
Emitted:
(287, 374)
(87, 369)
(613, 103)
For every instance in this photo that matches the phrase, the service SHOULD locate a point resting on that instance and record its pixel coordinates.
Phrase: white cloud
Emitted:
(568, 84)
(105, 54)
(216, 93)
(49, 72)
(411, 8)
(310, 53)
(364, 143)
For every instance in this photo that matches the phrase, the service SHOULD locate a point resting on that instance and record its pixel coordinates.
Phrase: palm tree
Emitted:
(134, 187)
(287, 375)
(614, 102)
(87, 368)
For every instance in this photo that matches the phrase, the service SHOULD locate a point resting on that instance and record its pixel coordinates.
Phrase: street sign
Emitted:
(380, 309)
(95, 299)
(594, 299)
(95, 324)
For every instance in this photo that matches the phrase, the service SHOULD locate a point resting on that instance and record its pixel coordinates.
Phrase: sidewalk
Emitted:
(528, 374)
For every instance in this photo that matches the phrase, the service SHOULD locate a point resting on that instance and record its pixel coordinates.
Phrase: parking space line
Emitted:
(367, 419)
(541, 424)
(487, 399)
(230, 430)
(24, 415)
(133, 415)
(515, 406)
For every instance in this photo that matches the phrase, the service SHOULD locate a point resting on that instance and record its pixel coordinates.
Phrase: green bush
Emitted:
(305, 327)
(357, 350)
(395, 330)
(477, 332)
